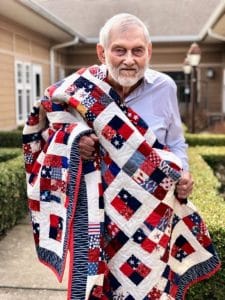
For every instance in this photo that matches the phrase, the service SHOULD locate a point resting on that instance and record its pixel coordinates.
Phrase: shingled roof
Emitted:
(167, 20)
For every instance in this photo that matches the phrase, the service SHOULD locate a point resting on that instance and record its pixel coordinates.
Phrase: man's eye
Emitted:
(138, 51)
(120, 51)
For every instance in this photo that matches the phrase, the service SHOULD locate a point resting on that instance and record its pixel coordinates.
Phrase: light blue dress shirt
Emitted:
(155, 100)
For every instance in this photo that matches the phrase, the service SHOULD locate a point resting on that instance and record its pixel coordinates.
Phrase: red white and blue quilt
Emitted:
(128, 235)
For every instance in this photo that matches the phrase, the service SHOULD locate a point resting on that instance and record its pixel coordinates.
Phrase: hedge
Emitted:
(9, 153)
(212, 208)
(13, 203)
(205, 139)
(11, 138)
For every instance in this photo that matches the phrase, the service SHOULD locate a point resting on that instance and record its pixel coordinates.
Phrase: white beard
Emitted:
(124, 80)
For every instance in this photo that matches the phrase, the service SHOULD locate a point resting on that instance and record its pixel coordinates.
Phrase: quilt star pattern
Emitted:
(128, 235)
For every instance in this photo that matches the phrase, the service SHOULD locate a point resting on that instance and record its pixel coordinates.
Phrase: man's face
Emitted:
(127, 56)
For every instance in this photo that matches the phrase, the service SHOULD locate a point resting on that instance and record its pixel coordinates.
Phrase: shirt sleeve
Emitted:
(175, 136)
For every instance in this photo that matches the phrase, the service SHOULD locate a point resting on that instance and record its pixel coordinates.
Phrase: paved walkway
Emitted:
(22, 276)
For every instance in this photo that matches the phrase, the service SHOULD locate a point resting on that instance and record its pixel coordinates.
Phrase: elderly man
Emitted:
(125, 49)
(108, 177)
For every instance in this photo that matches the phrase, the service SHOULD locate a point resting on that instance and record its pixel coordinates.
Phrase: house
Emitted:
(42, 41)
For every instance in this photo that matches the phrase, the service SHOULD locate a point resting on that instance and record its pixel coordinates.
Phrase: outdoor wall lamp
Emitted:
(194, 57)
(186, 66)
(210, 73)
(187, 71)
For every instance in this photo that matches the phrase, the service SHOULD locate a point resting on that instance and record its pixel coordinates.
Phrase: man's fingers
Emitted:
(87, 145)
(185, 185)
(94, 137)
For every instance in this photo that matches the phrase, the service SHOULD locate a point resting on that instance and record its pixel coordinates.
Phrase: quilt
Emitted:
(128, 235)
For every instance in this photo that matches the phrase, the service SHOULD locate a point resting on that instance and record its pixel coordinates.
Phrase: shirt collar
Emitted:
(150, 76)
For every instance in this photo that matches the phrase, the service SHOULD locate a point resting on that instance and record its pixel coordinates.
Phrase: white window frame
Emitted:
(26, 88)
(23, 90)
(37, 81)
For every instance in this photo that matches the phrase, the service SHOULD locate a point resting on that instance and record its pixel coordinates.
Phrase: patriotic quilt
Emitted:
(128, 235)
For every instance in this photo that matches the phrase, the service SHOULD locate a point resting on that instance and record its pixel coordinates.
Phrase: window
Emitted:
(37, 81)
(28, 88)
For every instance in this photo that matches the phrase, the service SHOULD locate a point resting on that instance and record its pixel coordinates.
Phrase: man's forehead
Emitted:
(133, 34)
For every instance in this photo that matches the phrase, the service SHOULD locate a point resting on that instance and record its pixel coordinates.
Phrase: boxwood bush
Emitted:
(13, 203)
(205, 139)
(212, 208)
(9, 153)
(11, 138)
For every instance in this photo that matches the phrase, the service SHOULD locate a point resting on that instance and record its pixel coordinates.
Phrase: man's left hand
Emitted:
(185, 185)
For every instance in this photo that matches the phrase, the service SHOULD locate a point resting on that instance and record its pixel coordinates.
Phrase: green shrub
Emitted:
(11, 138)
(13, 203)
(8, 153)
(212, 207)
(205, 139)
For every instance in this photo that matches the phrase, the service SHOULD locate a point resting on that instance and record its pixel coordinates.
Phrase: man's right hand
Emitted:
(87, 145)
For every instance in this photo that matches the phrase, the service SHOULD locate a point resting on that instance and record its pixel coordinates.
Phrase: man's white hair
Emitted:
(123, 21)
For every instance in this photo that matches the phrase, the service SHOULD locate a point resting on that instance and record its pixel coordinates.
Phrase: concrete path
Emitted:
(22, 276)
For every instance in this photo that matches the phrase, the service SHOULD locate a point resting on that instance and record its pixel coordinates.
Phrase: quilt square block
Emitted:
(139, 236)
(148, 245)
(114, 169)
(34, 204)
(116, 123)
(182, 248)
(154, 294)
(164, 240)
(36, 232)
(157, 175)
(125, 131)
(97, 108)
(94, 254)
(90, 116)
(46, 172)
(88, 101)
(149, 185)
(134, 269)
(125, 204)
(92, 268)
(160, 192)
(56, 173)
(61, 137)
(132, 165)
(56, 227)
(155, 159)
(28, 157)
(147, 167)
(118, 141)
(104, 99)
(159, 217)
(84, 83)
(108, 132)
(145, 148)
(115, 238)
(133, 116)
(96, 293)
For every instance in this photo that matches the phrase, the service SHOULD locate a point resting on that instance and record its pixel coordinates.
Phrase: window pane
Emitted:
(19, 73)
(20, 104)
(27, 74)
(28, 101)
(38, 87)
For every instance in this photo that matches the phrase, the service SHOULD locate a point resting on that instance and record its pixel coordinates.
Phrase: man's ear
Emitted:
(149, 51)
(101, 53)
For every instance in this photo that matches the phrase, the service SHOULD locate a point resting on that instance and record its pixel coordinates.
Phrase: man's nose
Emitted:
(129, 58)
